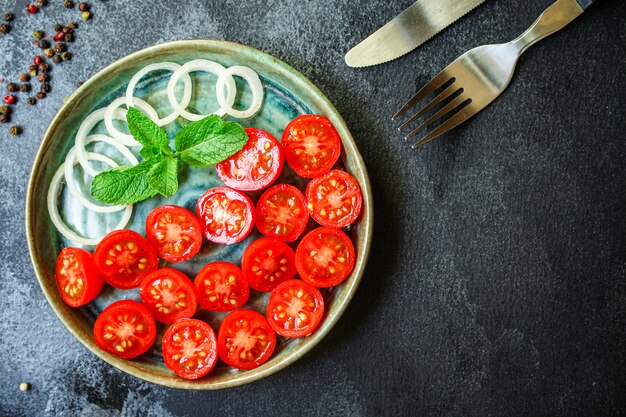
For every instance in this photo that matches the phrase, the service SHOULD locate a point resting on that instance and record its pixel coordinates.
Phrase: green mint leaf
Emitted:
(146, 132)
(123, 185)
(209, 141)
(163, 176)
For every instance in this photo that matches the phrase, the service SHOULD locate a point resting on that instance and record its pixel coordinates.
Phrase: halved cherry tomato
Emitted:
(169, 295)
(189, 348)
(78, 279)
(255, 166)
(312, 145)
(220, 286)
(334, 199)
(227, 215)
(126, 329)
(124, 257)
(268, 262)
(295, 308)
(325, 257)
(281, 213)
(245, 339)
(174, 233)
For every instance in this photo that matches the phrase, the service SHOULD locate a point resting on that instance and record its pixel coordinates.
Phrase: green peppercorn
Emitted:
(4, 28)
(43, 43)
(25, 87)
(48, 52)
(32, 70)
(8, 17)
(15, 130)
(31, 101)
(38, 34)
(5, 110)
(56, 59)
(68, 4)
(4, 118)
(60, 47)
(86, 15)
(40, 95)
(12, 87)
(45, 88)
(83, 7)
(73, 25)
(66, 56)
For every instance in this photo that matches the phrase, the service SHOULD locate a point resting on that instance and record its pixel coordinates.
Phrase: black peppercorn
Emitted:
(4, 28)
(68, 37)
(59, 47)
(4, 118)
(25, 87)
(31, 101)
(58, 27)
(83, 7)
(73, 25)
(32, 70)
(38, 34)
(48, 53)
(15, 130)
(5, 110)
(45, 88)
(24, 77)
(43, 67)
(68, 4)
(12, 87)
(66, 56)
(43, 78)
(40, 95)
(86, 15)
(8, 17)
(42, 3)
(56, 59)
(43, 43)
(67, 29)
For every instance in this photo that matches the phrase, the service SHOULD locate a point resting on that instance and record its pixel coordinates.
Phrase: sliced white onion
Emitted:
(69, 172)
(53, 194)
(81, 138)
(110, 114)
(255, 85)
(206, 66)
(172, 66)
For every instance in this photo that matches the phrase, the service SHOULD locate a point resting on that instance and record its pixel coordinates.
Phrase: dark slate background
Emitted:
(496, 282)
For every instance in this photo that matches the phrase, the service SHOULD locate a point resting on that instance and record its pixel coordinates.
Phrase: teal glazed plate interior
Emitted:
(287, 94)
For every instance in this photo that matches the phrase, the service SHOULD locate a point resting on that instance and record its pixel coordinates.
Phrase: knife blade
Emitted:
(414, 26)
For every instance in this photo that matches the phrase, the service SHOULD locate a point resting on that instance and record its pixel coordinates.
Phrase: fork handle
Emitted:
(553, 19)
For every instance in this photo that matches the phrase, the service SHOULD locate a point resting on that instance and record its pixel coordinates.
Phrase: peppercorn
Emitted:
(59, 47)
(45, 88)
(8, 17)
(78, 84)
(9, 99)
(43, 78)
(43, 43)
(42, 3)
(5, 110)
(32, 70)
(4, 28)
(67, 29)
(86, 15)
(31, 101)
(38, 34)
(73, 25)
(43, 67)
(25, 87)
(31, 9)
(83, 7)
(48, 53)
(58, 27)
(56, 59)
(68, 4)
(4, 118)
(40, 95)
(66, 56)
(68, 37)
(12, 87)
(15, 130)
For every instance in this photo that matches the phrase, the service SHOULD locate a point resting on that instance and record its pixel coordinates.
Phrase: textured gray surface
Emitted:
(496, 283)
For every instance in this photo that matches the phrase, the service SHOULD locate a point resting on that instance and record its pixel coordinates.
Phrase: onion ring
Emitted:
(53, 194)
(200, 65)
(172, 66)
(255, 85)
(110, 114)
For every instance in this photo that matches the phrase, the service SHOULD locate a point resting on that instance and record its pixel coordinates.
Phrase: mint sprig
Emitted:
(202, 143)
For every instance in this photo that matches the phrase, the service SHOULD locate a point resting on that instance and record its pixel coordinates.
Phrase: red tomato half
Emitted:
(245, 339)
(334, 199)
(169, 295)
(220, 286)
(325, 257)
(295, 308)
(281, 213)
(312, 145)
(255, 166)
(174, 232)
(189, 348)
(125, 328)
(124, 257)
(78, 279)
(268, 262)
(227, 215)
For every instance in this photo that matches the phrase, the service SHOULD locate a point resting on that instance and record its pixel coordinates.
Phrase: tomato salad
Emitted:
(288, 263)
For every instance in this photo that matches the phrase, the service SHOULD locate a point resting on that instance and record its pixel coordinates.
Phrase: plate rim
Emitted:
(128, 366)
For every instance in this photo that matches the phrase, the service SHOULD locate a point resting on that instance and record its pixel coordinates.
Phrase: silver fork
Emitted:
(481, 74)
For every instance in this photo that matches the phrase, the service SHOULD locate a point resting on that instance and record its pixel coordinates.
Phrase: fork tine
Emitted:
(452, 122)
(451, 89)
(460, 99)
(437, 81)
